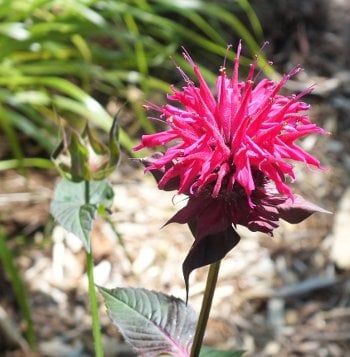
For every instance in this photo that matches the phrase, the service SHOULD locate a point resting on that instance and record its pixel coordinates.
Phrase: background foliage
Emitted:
(66, 59)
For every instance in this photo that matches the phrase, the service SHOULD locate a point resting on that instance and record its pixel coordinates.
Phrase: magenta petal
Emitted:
(173, 183)
(298, 210)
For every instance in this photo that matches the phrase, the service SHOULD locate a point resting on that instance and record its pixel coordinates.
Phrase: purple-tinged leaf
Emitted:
(151, 322)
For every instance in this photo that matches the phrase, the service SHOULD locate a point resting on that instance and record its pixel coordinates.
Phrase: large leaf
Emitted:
(152, 323)
(71, 211)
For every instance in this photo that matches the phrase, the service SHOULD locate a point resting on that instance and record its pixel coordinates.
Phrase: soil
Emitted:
(281, 296)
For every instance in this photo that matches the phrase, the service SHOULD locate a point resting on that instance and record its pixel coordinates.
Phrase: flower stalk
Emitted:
(96, 328)
(205, 308)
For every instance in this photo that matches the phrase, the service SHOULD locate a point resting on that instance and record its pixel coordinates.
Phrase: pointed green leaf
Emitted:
(79, 159)
(114, 142)
(70, 210)
(212, 352)
(152, 323)
(112, 152)
(97, 146)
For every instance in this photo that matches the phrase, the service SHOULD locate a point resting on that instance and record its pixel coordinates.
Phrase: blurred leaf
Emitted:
(211, 352)
(254, 21)
(28, 126)
(31, 97)
(36, 162)
(82, 46)
(70, 210)
(86, 12)
(79, 159)
(15, 30)
(151, 322)
(7, 126)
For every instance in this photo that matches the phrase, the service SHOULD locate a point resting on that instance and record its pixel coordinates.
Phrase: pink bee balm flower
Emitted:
(231, 154)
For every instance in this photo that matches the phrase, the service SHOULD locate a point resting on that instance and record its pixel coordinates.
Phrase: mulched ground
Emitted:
(280, 296)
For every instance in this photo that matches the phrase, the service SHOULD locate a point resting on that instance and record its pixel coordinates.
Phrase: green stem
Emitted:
(87, 192)
(96, 328)
(205, 309)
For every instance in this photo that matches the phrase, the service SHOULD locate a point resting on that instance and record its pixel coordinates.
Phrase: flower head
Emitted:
(231, 153)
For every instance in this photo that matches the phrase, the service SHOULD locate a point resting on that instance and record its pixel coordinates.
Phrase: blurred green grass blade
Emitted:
(32, 97)
(243, 32)
(85, 11)
(68, 105)
(232, 20)
(19, 289)
(214, 11)
(170, 26)
(194, 37)
(141, 117)
(31, 162)
(55, 67)
(79, 103)
(92, 107)
(139, 50)
(204, 26)
(126, 141)
(82, 46)
(142, 65)
(116, 76)
(40, 116)
(191, 12)
(156, 83)
(253, 18)
(7, 127)
(27, 126)
(42, 29)
(144, 5)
